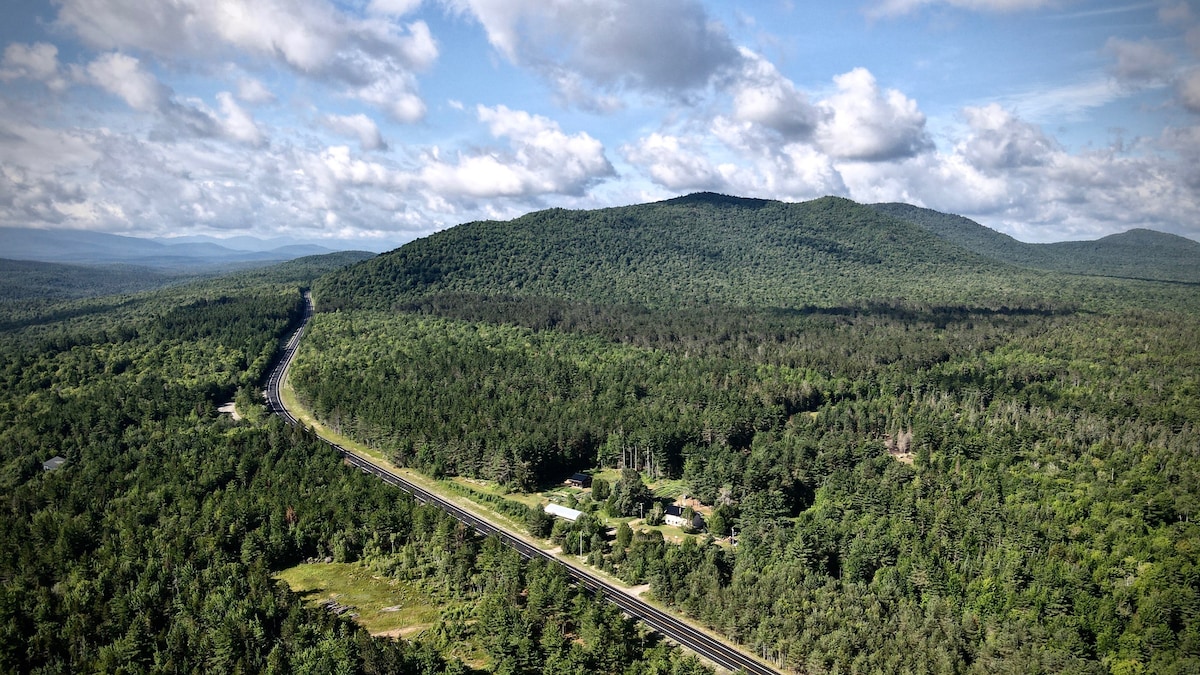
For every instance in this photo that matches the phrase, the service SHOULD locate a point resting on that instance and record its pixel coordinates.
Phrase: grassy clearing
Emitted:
(668, 489)
(673, 534)
(490, 487)
(384, 606)
(610, 475)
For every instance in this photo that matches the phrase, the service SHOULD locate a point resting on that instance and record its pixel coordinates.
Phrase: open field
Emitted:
(391, 607)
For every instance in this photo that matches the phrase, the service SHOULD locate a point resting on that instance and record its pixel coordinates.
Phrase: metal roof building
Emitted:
(54, 462)
(563, 512)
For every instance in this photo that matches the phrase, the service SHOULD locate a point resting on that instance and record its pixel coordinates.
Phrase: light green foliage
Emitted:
(380, 604)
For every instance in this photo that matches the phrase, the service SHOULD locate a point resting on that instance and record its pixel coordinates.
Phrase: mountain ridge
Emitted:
(707, 248)
(698, 249)
(92, 248)
(1139, 253)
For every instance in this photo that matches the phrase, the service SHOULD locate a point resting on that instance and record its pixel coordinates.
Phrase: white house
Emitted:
(673, 515)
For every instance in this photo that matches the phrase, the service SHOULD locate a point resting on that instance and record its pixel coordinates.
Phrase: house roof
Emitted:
(677, 511)
(563, 512)
(54, 462)
(581, 477)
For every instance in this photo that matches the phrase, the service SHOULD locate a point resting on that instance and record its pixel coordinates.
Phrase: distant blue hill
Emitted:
(96, 248)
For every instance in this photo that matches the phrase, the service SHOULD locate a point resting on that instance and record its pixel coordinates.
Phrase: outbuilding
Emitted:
(580, 480)
(563, 512)
(53, 463)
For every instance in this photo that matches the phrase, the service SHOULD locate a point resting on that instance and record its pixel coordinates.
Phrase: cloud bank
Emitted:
(315, 119)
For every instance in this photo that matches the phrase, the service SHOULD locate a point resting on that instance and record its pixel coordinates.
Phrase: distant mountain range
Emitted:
(190, 254)
(1136, 254)
(713, 249)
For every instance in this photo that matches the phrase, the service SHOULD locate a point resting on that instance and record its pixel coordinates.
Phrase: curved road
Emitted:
(667, 624)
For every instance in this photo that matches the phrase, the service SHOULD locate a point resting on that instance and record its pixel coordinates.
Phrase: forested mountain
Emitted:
(935, 461)
(707, 249)
(697, 250)
(1136, 254)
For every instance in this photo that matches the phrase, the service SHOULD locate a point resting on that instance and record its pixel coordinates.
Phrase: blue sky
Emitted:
(374, 122)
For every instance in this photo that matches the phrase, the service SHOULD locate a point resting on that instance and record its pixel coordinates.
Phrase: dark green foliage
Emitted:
(600, 489)
(530, 621)
(27, 279)
(153, 548)
(1136, 254)
(1042, 519)
(630, 496)
(677, 252)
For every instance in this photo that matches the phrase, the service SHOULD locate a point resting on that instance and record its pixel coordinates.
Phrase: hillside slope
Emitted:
(1136, 254)
(26, 279)
(699, 249)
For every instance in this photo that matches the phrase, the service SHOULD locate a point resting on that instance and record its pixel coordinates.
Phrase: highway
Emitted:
(707, 646)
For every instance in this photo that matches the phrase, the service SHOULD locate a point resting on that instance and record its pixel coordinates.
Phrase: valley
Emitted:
(911, 455)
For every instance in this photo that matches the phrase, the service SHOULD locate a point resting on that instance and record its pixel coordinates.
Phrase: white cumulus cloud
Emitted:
(392, 7)
(864, 122)
(674, 163)
(1188, 90)
(999, 140)
(657, 46)
(38, 61)
(123, 75)
(762, 95)
(236, 123)
(357, 126)
(254, 92)
(541, 159)
(372, 59)
(1139, 63)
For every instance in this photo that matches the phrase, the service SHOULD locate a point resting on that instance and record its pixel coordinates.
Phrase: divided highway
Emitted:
(669, 625)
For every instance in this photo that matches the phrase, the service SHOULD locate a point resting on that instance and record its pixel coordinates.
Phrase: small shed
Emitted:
(580, 480)
(673, 515)
(53, 463)
(563, 512)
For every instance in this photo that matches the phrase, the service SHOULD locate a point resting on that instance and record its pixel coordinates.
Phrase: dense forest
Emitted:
(27, 279)
(704, 250)
(154, 547)
(1136, 254)
(995, 473)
